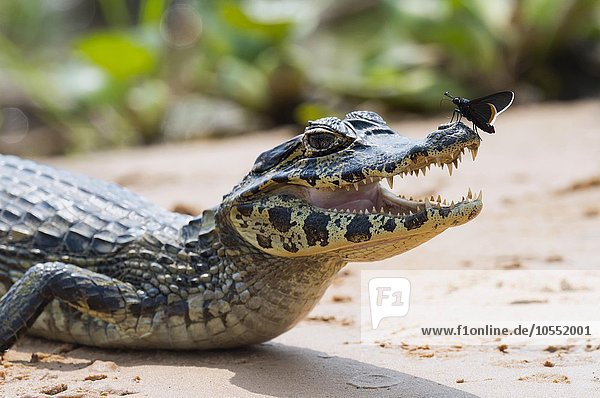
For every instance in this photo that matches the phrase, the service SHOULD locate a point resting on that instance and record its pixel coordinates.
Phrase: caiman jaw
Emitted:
(370, 197)
(302, 202)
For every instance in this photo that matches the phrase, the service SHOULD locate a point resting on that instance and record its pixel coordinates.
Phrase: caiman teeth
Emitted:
(390, 181)
(411, 205)
(473, 152)
(427, 204)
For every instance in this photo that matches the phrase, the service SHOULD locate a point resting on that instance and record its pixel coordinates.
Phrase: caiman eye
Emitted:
(320, 141)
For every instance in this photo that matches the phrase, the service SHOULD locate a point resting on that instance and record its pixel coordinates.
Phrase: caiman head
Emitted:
(319, 194)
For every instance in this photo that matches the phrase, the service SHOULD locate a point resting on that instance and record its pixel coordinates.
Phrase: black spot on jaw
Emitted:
(354, 175)
(245, 210)
(290, 247)
(415, 221)
(281, 218)
(390, 167)
(359, 229)
(315, 228)
(444, 211)
(264, 241)
(473, 214)
(389, 225)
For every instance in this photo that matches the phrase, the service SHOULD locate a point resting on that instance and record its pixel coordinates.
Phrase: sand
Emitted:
(540, 175)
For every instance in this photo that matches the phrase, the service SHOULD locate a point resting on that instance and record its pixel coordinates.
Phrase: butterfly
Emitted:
(482, 111)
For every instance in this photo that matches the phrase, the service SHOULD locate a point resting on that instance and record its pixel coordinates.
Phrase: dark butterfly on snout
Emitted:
(482, 111)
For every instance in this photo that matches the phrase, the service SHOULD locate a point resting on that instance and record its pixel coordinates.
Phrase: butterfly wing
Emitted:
(483, 112)
(490, 106)
(501, 100)
(478, 113)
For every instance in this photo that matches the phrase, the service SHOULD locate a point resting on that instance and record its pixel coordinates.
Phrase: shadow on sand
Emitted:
(269, 369)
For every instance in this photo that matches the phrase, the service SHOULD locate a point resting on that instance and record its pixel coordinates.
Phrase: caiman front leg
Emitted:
(92, 293)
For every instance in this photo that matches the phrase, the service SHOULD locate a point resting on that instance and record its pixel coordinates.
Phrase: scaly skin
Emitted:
(92, 263)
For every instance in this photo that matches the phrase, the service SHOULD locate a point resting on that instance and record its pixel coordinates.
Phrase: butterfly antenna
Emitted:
(447, 94)
(442, 100)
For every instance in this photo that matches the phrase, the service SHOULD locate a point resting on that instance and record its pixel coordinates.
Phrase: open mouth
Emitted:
(316, 203)
(369, 196)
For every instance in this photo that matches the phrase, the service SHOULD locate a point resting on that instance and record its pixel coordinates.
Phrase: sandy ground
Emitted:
(540, 175)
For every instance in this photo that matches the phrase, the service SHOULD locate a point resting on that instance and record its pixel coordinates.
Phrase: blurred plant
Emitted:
(93, 74)
(410, 52)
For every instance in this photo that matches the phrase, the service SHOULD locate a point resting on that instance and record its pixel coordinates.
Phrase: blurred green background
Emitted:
(79, 75)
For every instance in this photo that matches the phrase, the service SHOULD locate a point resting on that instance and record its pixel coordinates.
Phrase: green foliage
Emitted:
(118, 54)
(114, 72)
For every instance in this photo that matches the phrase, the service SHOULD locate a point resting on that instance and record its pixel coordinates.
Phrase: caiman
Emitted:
(88, 262)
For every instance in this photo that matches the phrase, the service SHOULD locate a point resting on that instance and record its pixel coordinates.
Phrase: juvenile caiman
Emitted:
(89, 262)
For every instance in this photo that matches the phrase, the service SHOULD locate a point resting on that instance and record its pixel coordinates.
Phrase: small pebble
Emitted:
(96, 377)
(55, 389)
